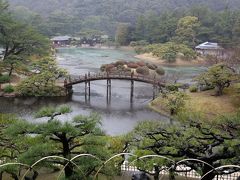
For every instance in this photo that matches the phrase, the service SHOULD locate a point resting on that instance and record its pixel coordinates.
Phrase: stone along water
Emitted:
(118, 117)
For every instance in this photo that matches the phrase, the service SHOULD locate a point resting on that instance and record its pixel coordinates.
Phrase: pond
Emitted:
(118, 117)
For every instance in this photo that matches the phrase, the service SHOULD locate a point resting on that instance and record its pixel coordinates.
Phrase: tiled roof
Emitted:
(61, 38)
(208, 45)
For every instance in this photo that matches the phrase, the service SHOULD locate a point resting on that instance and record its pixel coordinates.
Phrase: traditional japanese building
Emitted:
(210, 48)
(61, 40)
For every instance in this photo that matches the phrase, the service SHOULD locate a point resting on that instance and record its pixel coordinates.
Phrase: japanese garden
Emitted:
(105, 89)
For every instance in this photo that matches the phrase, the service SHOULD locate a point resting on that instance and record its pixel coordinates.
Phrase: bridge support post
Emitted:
(154, 91)
(89, 87)
(132, 91)
(109, 91)
(69, 90)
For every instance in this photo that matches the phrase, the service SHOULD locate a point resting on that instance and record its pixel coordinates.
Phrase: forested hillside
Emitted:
(120, 10)
(75, 17)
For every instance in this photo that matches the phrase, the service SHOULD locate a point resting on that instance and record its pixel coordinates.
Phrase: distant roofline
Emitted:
(209, 45)
(60, 38)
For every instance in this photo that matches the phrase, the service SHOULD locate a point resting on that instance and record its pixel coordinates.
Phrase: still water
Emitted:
(118, 117)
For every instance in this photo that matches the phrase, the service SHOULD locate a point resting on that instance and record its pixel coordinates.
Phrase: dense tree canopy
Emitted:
(19, 41)
(156, 21)
(216, 143)
(28, 142)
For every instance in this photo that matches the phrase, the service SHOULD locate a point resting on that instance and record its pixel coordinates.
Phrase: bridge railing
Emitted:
(89, 76)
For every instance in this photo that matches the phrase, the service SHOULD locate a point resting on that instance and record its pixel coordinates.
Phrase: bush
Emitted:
(140, 50)
(109, 67)
(133, 43)
(143, 70)
(170, 56)
(141, 63)
(120, 63)
(139, 43)
(152, 66)
(4, 79)
(8, 89)
(132, 65)
(127, 70)
(206, 88)
(103, 67)
(160, 71)
(172, 87)
(193, 89)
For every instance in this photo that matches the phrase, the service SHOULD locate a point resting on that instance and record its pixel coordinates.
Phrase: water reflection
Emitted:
(119, 116)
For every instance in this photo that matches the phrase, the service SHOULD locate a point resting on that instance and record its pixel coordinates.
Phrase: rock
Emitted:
(9, 95)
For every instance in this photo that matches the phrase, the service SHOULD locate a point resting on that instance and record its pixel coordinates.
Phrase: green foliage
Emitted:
(169, 51)
(143, 70)
(45, 111)
(186, 30)
(43, 81)
(139, 43)
(4, 79)
(82, 135)
(193, 88)
(192, 137)
(8, 89)
(174, 101)
(172, 87)
(151, 66)
(218, 76)
(19, 41)
(122, 34)
(160, 71)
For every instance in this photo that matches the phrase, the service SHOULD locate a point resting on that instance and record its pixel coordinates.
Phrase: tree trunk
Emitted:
(67, 154)
(35, 175)
(219, 91)
(207, 169)
(171, 175)
(1, 175)
(11, 70)
(157, 172)
(14, 176)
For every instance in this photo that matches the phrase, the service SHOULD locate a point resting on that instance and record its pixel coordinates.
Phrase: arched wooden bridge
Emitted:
(88, 78)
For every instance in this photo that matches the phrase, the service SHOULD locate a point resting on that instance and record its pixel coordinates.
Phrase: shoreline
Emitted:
(150, 58)
(126, 48)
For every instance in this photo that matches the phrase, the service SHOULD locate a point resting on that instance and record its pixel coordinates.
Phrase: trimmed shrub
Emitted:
(143, 70)
(160, 71)
(133, 43)
(109, 67)
(103, 67)
(152, 66)
(193, 88)
(139, 50)
(141, 63)
(4, 79)
(127, 70)
(120, 63)
(172, 87)
(8, 89)
(132, 65)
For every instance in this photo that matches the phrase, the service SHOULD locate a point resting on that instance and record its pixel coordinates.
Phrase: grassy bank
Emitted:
(206, 103)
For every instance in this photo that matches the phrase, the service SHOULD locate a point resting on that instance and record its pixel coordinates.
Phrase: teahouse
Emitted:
(210, 48)
(61, 40)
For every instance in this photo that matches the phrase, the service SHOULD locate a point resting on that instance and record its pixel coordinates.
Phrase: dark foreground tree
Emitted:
(82, 135)
(216, 143)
